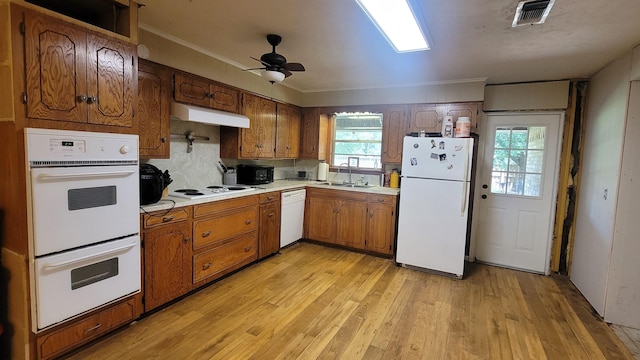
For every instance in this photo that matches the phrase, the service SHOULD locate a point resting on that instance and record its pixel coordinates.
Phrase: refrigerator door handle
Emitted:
(463, 202)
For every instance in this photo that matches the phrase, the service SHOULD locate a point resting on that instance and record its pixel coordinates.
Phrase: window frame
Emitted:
(331, 142)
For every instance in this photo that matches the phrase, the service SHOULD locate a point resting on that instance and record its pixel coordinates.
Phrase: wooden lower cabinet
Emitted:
(381, 223)
(351, 219)
(269, 230)
(224, 258)
(336, 217)
(225, 236)
(167, 256)
(350, 227)
(67, 337)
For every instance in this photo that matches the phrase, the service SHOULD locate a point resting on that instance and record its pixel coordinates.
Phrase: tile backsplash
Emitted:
(199, 168)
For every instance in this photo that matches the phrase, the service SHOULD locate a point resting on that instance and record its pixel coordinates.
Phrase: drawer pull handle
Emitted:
(186, 239)
(247, 222)
(270, 214)
(380, 200)
(247, 249)
(168, 218)
(206, 266)
(93, 328)
(206, 233)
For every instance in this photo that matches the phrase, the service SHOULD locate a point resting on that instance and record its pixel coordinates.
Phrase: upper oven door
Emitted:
(77, 206)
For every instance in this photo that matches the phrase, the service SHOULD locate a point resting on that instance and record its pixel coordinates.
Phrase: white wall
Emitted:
(600, 170)
(623, 291)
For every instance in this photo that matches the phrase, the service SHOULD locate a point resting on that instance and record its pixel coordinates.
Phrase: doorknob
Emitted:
(484, 186)
(484, 196)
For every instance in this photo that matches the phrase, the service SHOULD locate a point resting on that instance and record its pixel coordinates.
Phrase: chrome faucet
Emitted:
(348, 167)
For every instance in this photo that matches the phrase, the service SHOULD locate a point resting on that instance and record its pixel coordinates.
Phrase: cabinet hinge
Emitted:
(24, 97)
(23, 28)
(143, 299)
(142, 243)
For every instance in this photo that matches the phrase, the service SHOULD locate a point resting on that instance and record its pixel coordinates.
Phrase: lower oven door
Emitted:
(78, 206)
(70, 283)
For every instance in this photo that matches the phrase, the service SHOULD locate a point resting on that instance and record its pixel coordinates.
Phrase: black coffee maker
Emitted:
(152, 183)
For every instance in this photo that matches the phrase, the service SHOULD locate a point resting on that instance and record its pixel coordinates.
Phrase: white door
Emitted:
(516, 189)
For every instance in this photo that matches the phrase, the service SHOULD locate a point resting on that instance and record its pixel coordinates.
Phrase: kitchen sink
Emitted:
(352, 185)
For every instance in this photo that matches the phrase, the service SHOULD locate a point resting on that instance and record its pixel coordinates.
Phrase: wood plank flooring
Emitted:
(314, 302)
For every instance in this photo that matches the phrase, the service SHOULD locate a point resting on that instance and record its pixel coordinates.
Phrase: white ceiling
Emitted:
(341, 49)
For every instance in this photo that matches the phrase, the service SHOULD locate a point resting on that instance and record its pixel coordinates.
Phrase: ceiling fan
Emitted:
(275, 65)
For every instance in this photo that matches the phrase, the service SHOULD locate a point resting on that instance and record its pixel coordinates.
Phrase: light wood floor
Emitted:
(316, 302)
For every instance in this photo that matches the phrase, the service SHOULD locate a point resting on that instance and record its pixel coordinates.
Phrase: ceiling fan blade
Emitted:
(262, 62)
(260, 68)
(294, 67)
(286, 72)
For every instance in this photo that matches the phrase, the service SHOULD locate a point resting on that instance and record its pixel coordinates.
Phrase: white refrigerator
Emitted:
(434, 203)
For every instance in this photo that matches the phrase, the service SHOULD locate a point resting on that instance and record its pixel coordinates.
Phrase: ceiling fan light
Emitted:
(273, 76)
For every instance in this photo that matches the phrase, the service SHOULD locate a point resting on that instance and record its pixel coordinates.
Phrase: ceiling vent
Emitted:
(532, 12)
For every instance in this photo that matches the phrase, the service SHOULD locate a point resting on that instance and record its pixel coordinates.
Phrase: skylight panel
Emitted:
(397, 22)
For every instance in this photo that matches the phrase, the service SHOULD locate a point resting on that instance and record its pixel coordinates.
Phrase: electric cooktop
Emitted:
(209, 191)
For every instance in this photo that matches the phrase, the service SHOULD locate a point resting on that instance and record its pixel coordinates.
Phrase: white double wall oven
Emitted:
(84, 238)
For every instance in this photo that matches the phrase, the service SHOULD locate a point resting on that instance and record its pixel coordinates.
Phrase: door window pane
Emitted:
(518, 160)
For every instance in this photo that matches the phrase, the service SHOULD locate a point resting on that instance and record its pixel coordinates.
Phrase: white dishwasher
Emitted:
(291, 216)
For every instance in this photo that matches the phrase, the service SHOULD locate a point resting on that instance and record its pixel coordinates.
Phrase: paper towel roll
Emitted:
(323, 171)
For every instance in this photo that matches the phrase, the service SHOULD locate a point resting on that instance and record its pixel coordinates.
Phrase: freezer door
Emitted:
(437, 158)
(432, 224)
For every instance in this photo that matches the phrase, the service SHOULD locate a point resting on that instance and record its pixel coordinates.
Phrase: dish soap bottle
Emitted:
(394, 182)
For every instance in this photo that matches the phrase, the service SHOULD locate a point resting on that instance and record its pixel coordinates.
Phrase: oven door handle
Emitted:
(85, 175)
(88, 257)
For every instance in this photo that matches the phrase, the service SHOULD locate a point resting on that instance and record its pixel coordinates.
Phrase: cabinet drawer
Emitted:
(222, 205)
(159, 218)
(381, 199)
(269, 197)
(232, 255)
(65, 339)
(337, 194)
(213, 230)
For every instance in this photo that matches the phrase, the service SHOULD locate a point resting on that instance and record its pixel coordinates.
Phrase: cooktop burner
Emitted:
(209, 191)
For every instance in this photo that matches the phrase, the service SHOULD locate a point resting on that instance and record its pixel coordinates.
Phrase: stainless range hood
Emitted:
(207, 116)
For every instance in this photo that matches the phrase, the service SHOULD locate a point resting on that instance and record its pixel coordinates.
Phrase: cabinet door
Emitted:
(223, 98)
(394, 129)
(111, 65)
(287, 132)
(249, 137)
(351, 218)
(269, 232)
(167, 263)
(469, 110)
(425, 117)
(191, 90)
(267, 129)
(56, 68)
(314, 132)
(380, 228)
(154, 96)
(320, 219)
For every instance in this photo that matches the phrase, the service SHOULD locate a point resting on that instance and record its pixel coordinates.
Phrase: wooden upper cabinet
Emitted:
(394, 129)
(427, 117)
(288, 131)
(314, 134)
(195, 90)
(469, 110)
(154, 97)
(258, 141)
(77, 76)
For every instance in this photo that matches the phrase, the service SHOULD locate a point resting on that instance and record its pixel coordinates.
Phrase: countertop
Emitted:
(278, 185)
